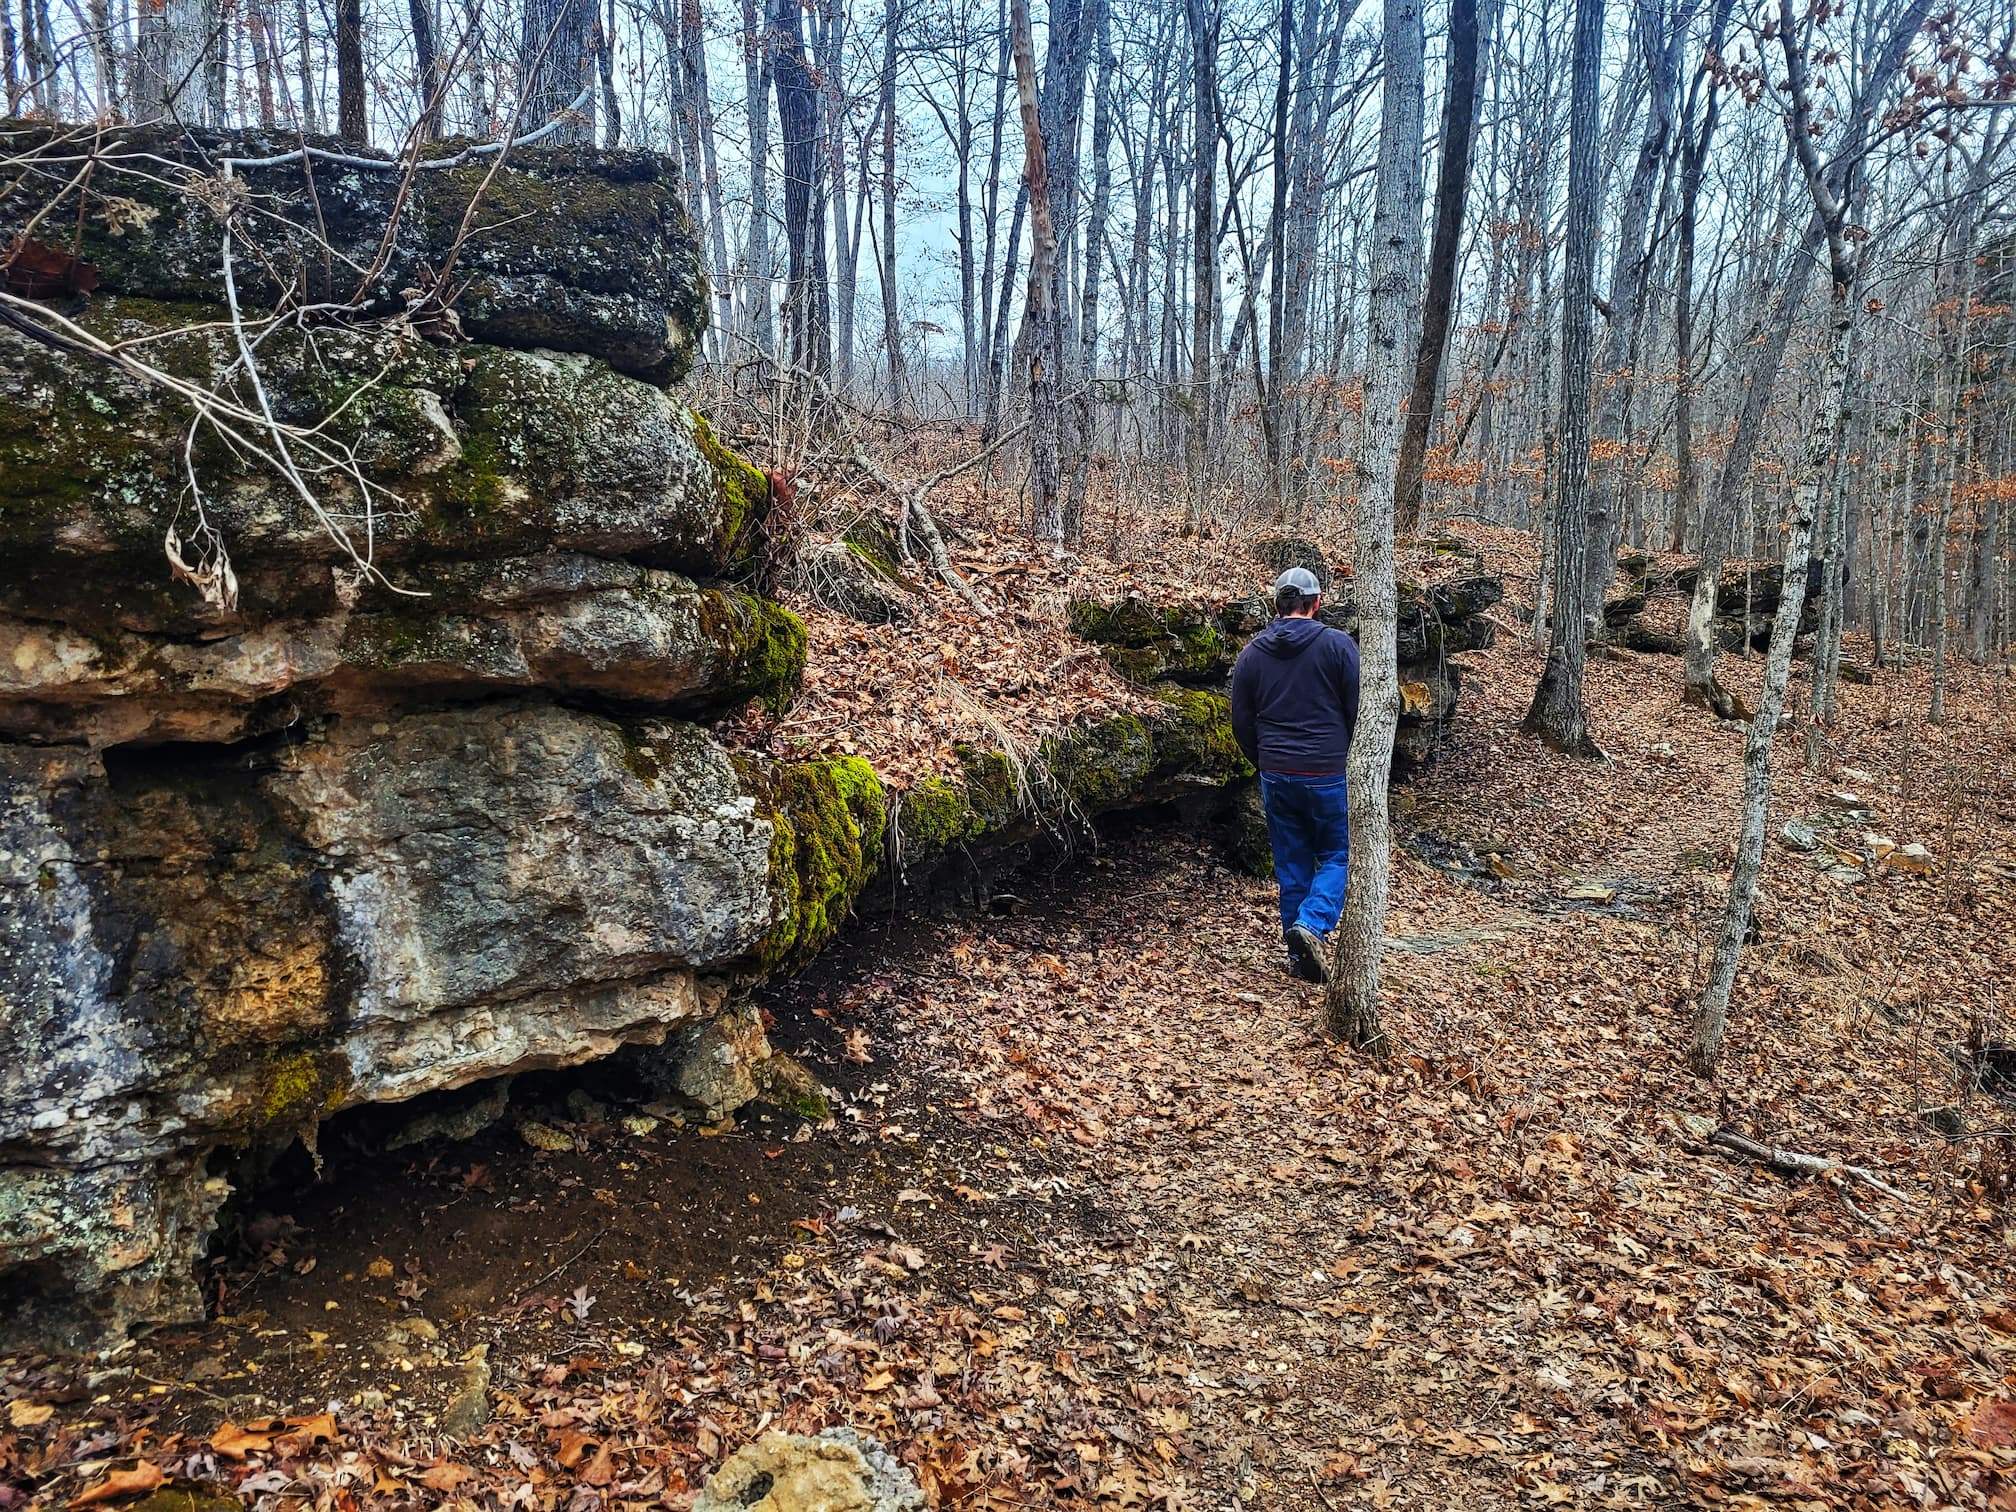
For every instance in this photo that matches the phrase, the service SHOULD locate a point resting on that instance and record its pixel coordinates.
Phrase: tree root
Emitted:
(1717, 700)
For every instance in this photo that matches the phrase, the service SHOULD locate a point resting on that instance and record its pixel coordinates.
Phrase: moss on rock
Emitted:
(759, 646)
(828, 820)
(1145, 643)
(1073, 776)
(745, 496)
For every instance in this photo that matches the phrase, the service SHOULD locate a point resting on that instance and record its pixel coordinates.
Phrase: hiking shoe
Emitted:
(1309, 950)
(1303, 969)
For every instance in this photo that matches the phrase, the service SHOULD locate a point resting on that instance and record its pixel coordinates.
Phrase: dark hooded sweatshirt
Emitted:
(1295, 698)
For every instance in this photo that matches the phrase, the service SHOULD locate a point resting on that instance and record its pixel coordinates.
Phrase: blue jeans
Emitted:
(1309, 824)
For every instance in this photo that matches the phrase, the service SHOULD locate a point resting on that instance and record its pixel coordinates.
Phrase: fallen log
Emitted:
(1794, 1163)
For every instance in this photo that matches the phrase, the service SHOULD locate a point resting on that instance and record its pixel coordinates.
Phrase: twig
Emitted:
(1794, 1162)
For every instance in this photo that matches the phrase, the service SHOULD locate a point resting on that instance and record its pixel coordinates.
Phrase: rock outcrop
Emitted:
(567, 250)
(1193, 646)
(347, 835)
(1650, 615)
(421, 794)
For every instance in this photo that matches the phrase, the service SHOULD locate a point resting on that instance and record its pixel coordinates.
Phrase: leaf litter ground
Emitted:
(1104, 1222)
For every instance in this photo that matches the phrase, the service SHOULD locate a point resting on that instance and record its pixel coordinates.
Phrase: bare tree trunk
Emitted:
(353, 120)
(756, 81)
(602, 37)
(1827, 633)
(1088, 309)
(693, 43)
(1660, 40)
(1694, 158)
(167, 58)
(1046, 503)
(1202, 15)
(311, 115)
(1701, 688)
(425, 69)
(806, 317)
(105, 67)
(11, 59)
(984, 362)
(892, 330)
(1557, 715)
(1452, 184)
(1351, 1002)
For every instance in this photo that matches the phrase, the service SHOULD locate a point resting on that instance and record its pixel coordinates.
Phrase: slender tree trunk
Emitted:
(425, 70)
(1452, 183)
(756, 83)
(1351, 1003)
(602, 38)
(985, 362)
(1694, 158)
(11, 60)
(1046, 503)
(1767, 348)
(693, 43)
(1202, 15)
(1827, 633)
(1829, 188)
(311, 114)
(353, 121)
(806, 317)
(1660, 43)
(892, 329)
(1557, 715)
(105, 68)
(1095, 237)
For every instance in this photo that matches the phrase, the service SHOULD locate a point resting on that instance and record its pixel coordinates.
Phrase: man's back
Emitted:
(1295, 697)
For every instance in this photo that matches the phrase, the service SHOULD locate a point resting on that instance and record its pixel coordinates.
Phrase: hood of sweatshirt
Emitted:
(1289, 637)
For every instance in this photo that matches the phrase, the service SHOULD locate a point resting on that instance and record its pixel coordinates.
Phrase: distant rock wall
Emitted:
(1195, 645)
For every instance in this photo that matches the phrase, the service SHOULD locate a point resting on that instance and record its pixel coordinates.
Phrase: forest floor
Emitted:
(1105, 1221)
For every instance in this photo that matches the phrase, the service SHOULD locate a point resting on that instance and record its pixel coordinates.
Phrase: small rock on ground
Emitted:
(839, 1471)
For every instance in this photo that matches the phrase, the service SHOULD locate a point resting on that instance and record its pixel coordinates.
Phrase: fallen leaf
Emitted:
(142, 1478)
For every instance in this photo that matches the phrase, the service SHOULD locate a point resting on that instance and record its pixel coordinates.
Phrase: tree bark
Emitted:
(1351, 1002)
(1557, 715)
(807, 325)
(555, 54)
(1045, 500)
(892, 330)
(1829, 187)
(1088, 308)
(1452, 183)
(1660, 44)
(1202, 16)
(426, 69)
(756, 84)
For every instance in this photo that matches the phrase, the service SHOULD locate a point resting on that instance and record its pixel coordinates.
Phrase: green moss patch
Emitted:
(745, 496)
(1145, 643)
(828, 822)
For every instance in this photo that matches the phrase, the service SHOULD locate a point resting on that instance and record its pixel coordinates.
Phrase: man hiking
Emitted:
(1294, 702)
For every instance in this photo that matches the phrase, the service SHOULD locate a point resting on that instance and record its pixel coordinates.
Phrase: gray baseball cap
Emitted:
(1301, 579)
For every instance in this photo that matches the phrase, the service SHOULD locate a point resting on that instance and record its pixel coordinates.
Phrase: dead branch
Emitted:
(1792, 1162)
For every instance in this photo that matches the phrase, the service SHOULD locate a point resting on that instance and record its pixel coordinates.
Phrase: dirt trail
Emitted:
(1103, 1222)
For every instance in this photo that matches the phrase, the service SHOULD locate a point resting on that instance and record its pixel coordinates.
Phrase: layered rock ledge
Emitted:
(424, 795)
